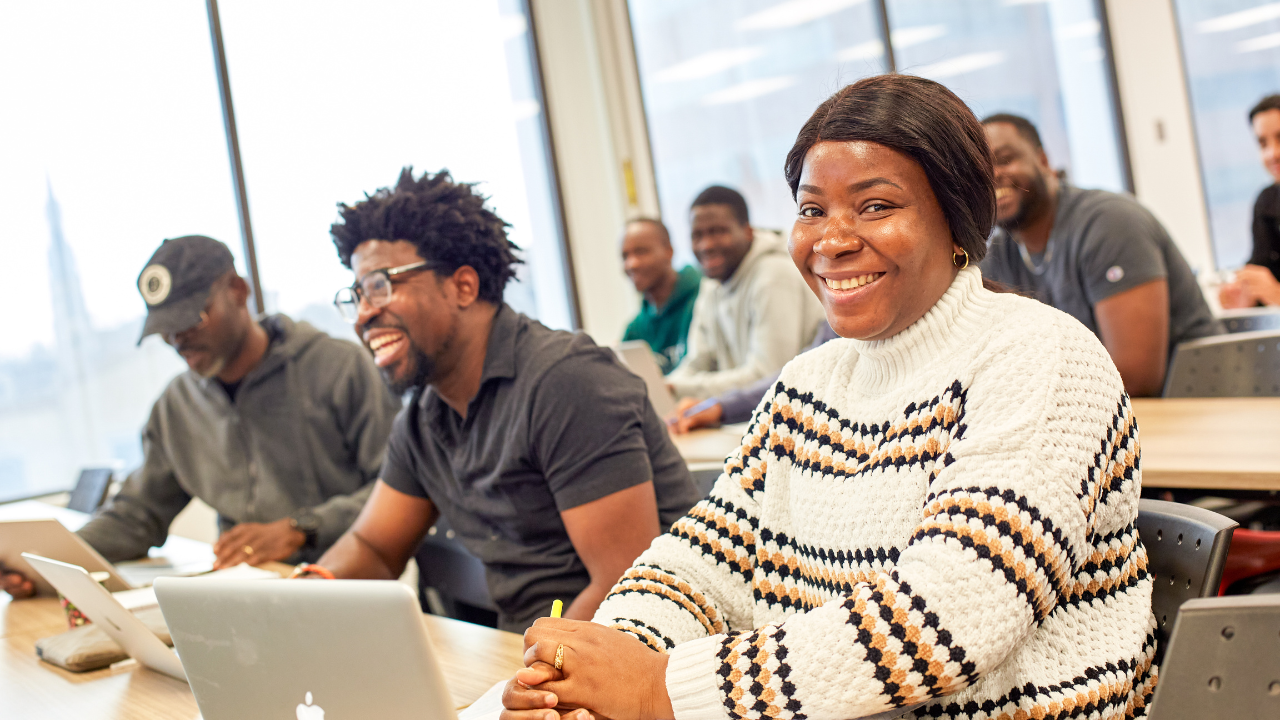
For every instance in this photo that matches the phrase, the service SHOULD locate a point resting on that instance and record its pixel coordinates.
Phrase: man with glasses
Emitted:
(536, 446)
(277, 426)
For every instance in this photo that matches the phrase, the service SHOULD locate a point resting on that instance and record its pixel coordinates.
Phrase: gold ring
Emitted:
(247, 550)
(559, 656)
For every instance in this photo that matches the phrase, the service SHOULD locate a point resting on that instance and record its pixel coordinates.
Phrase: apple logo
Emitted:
(308, 711)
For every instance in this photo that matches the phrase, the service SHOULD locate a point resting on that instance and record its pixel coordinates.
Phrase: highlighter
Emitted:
(557, 608)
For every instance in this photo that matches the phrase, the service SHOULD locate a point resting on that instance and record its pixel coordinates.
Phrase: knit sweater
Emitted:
(938, 524)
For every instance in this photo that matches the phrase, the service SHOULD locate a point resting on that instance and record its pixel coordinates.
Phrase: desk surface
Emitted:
(473, 659)
(1210, 443)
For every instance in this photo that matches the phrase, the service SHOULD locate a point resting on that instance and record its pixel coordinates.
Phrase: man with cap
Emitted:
(277, 426)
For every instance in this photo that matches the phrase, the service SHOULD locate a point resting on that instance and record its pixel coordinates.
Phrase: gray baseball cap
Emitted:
(176, 282)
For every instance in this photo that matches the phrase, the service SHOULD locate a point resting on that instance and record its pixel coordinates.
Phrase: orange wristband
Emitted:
(313, 569)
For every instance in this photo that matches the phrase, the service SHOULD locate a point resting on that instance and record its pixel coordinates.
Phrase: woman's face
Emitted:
(871, 239)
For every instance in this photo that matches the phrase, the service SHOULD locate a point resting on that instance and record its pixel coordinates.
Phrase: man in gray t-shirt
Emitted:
(1098, 256)
(537, 447)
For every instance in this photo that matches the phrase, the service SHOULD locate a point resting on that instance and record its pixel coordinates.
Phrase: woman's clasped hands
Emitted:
(588, 684)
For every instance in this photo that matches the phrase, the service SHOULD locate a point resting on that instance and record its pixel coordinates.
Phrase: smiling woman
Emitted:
(916, 516)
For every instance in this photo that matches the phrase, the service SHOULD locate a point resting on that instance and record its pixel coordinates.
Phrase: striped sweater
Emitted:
(939, 524)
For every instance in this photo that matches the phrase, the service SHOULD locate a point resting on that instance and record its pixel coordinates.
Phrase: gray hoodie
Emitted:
(750, 325)
(308, 429)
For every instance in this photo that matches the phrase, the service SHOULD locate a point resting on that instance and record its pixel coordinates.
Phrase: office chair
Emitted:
(1223, 661)
(1243, 364)
(90, 490)
(451, 580)
(705, 475)
(1186, 551)
(1254, 554)
(1251, 320)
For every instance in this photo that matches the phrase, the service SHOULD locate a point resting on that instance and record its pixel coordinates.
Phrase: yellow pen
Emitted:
(557, 607)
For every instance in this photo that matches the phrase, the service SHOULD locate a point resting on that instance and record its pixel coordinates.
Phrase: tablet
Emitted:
(107, 613)
(50, 538)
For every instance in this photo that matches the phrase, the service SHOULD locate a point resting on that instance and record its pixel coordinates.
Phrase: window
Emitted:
(118, 144)
(333, 98)
(1231, 50)
(727, 85)
(1043, 60)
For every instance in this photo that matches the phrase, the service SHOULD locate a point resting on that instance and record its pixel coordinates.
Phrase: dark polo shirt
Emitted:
(558, 422)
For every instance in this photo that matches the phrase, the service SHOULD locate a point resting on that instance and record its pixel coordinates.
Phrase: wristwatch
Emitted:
(306, 522)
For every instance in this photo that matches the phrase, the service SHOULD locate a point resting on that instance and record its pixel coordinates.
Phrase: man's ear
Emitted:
(466, 283)
(1043, 159)
(238, 291)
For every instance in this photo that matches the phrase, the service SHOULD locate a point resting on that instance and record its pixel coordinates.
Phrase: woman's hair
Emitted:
(928, 123)
(446, 220)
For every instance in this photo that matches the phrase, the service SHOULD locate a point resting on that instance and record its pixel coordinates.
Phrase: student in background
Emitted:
(668, 296)
(734, 406)
(1257, 283)
(540, 450)
(1096, 255)
(278, 427)
(753, 313)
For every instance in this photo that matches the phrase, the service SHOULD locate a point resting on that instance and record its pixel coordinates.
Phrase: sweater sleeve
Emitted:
(695, 581)
(366, 409)
(1040, 443)
(138, 517)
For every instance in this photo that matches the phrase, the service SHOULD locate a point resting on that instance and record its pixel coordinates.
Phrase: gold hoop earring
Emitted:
(956, 262)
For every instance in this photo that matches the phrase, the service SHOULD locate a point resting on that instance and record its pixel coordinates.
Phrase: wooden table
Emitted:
(1210, 443)
(473, 659)
(1204, 443)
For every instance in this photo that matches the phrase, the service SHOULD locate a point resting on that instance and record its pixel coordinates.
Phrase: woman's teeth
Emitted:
(1003, 192)
(850, 283)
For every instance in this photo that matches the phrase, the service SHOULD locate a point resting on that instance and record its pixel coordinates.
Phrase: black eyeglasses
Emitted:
(374, 288)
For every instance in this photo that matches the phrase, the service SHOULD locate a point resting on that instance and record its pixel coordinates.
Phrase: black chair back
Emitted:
(450, 573)
(1223, 661)
(1186, 551)
(705, 475)
(90, 490)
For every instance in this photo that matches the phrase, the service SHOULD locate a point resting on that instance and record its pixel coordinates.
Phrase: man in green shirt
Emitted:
(667, 308)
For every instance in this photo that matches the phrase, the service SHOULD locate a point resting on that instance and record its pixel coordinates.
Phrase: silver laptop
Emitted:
(107, 613)
(50, 539)
(638, 358)
(304, 648)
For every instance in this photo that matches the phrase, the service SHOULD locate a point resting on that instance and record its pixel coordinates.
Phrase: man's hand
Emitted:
(257, 543)
(16, 584)
(1259, 284)
(679, 423)
(1233, 295)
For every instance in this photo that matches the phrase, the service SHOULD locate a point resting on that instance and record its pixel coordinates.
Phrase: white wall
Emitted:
(1157, 119)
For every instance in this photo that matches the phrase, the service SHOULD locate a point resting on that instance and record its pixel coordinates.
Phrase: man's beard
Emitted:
(418, 377)
(1035, 198)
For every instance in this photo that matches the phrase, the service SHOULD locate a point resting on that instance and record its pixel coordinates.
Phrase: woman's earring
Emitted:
(955, 259)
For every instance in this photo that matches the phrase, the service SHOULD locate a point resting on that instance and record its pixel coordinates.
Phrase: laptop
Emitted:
(51, 539)
(638, 358)
(304, 648)
(106, 612)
